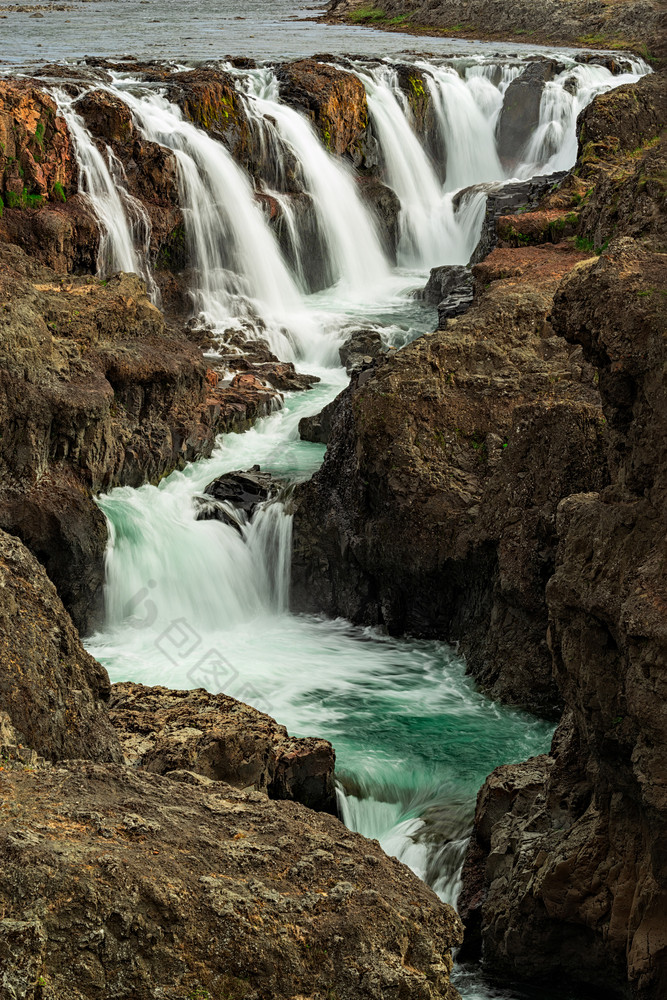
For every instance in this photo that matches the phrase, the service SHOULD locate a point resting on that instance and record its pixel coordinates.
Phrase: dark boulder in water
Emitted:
(520, 113)
(360, 349)
(234, 494)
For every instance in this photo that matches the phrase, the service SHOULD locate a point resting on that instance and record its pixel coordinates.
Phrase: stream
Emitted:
(197, 604)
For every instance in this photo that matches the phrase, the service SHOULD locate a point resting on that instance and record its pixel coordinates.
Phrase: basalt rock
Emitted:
(567, 872)
(118, 882)
(317, 428)
(386, 208)
(360, 348)
(431, 513)
(209, 98)
(242, 491)
(335, 101)
(95, 391)
(52, 693)
(222, 739)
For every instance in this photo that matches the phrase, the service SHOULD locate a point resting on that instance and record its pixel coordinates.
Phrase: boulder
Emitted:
(360, 348)
(168, 732)
(243, 492)
(52, 693)
(115, 881)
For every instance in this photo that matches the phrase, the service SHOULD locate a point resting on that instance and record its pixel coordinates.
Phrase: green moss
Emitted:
(39, 134)
(365, 15)
(13, 200)
(59, 193)
(417, 86)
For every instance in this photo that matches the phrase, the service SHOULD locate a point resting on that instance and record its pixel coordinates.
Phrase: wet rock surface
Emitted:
(570, 847)
(120, 882)
(52, 693)
(415, 520)
(243, 492)
(169, 732)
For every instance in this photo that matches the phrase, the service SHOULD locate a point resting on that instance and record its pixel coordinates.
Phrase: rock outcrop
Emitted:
(334, 100)
(431, 513)
(95, 391)
(52, 693)
(629, 24)
(167, 732)
(570, 847)
(119, 882)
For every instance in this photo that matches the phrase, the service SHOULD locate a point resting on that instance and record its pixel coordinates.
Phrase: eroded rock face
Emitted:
(222, 739)
(95, 391)
(52, 693)
(432, 513)
(126, 883)
(575, 855)
(334, 100)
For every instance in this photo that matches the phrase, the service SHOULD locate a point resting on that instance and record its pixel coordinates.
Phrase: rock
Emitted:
(242, 491)
(386, 208)
(318, 427)
(360, 348)
(36, 158)
(120, 881)
(222, 739)
(334, 100)
(566, 875)
(52, 693)
(209, 98)
(431, 513)
(622, 157)
(520, 114)
(450, 288)
(95, 391)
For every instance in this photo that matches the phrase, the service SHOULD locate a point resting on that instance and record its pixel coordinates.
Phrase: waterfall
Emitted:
(354, 258)
(465, 113)
(240, 271)
(431, 230)
(115, 209)
(553, 145)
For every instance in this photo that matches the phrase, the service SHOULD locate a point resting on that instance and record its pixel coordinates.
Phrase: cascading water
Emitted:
(354, 259)
(123, 221)
(202, 603)
(554, 144)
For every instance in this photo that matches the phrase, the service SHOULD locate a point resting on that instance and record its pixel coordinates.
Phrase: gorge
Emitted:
(191, 255)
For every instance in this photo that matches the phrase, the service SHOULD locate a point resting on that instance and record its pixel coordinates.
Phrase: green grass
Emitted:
(365, 15)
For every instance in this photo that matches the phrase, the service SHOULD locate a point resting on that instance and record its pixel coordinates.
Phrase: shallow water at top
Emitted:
(214, 29)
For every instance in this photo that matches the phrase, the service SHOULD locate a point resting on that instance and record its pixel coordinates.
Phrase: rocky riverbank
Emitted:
(634, 25)
(500, 483)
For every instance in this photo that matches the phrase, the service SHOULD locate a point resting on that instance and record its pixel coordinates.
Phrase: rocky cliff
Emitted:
(570, 847)
(629, 24)
(154, 878)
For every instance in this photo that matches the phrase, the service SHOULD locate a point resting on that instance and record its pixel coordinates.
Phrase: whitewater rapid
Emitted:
(194, 603)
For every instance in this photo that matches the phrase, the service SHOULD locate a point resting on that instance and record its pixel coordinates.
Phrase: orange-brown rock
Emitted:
(334, 100)
(36, 157)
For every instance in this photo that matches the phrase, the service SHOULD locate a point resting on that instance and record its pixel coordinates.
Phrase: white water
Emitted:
(123, 220)
(554, 144)
(193, 603)
(355, 260)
